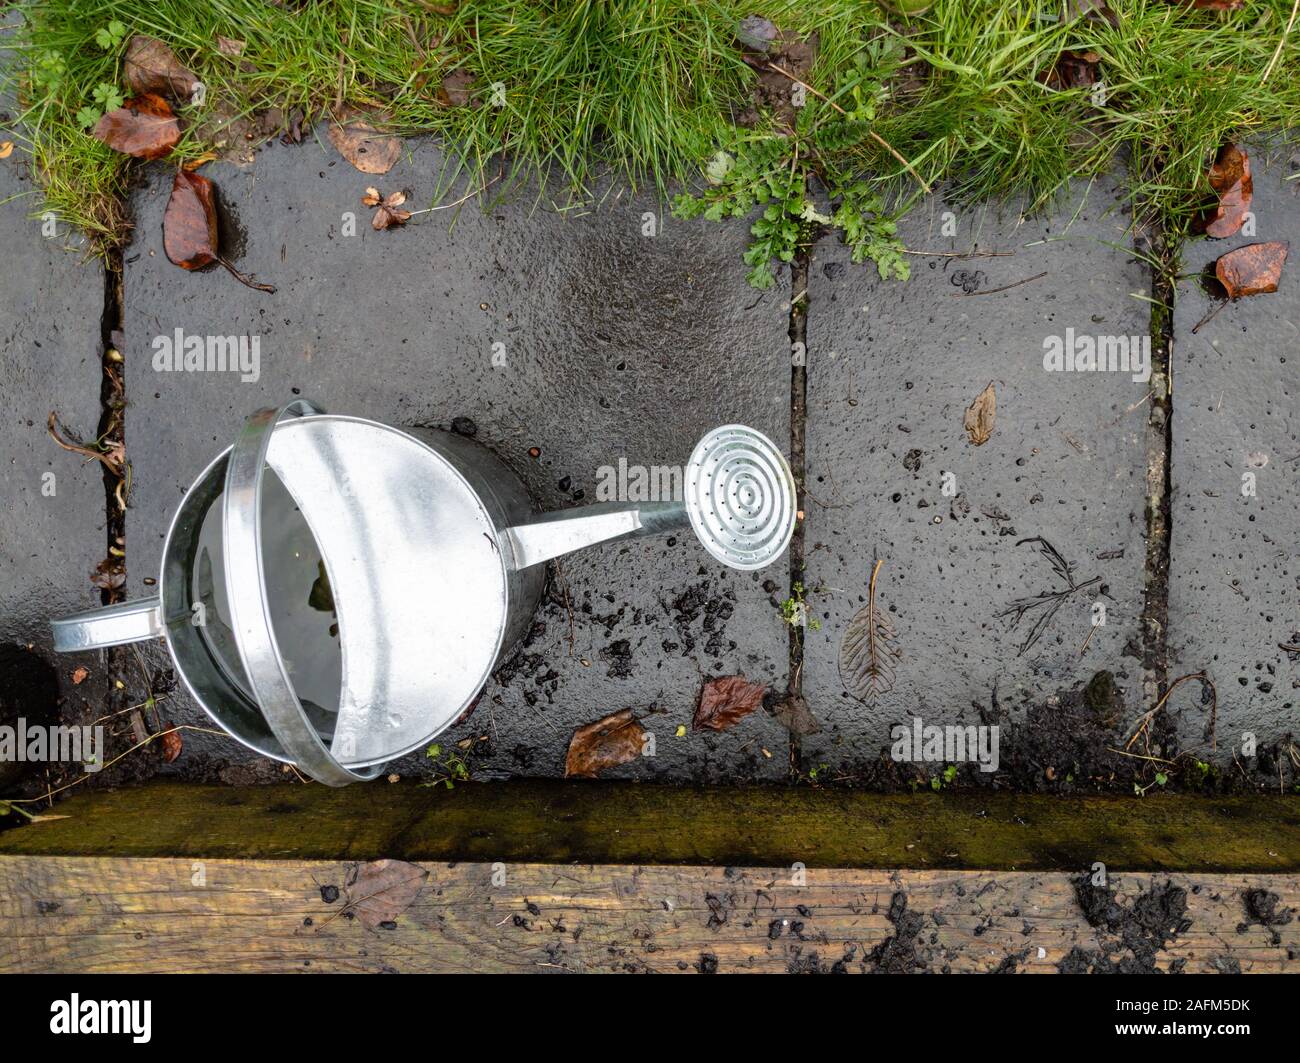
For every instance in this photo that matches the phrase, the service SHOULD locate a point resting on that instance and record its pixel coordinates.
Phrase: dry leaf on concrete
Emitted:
(868, 653)
(358, 141)
(724, 701)
(980, 416)
(612, 740)
(388, 209)
(190, 232)
(1255, 269)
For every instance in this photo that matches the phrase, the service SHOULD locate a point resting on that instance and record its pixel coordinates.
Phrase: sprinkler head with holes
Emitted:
(740, 497)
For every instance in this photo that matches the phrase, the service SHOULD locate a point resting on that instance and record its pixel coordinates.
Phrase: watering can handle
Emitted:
(250, 608)
(113, 625)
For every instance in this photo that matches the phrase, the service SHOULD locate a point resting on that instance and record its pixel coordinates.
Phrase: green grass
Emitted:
(1179, 83)
(638, 87)
(646, 89)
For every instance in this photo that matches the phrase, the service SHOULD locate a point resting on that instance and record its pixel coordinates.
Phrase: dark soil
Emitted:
(1063, 745)
(1261, 910)
(1074, 743)
(897, 953)
(1131, 935)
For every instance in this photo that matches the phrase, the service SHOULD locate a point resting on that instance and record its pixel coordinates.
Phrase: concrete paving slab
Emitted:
(1234, 585)
(563, 345)
(52, 512)
(892, 474)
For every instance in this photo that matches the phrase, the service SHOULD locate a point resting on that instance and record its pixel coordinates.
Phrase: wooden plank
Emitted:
(95, 914)
(535, 821)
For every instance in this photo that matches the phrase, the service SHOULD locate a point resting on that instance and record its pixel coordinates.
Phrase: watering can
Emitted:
(347, 609)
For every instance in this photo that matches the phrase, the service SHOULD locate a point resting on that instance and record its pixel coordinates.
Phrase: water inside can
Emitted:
(301, 604)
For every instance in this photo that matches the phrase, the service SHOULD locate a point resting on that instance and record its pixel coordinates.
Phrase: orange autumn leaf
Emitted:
(1255, 269)
(144, 127)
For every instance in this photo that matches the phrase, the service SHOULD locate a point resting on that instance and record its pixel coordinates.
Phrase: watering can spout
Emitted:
(738, 497)
(556, 534)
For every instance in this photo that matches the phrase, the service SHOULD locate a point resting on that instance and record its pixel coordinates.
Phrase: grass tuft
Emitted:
(648, 89)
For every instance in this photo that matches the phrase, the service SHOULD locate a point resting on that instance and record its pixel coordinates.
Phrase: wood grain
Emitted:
(586, 821)
(96, 914)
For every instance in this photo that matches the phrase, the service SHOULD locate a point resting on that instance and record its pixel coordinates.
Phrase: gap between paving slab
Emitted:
(798, 465)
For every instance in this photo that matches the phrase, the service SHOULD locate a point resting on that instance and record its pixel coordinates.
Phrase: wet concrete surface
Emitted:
(52, 515)
(892, 474)
(567, 344)
(1234, 589)
(564, 345)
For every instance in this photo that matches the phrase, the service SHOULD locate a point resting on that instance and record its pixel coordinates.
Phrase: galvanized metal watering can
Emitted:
(347, 609)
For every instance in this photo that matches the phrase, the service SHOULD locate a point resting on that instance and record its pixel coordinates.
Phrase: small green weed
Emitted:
(450, 768)
(776, 171)
(794, 610)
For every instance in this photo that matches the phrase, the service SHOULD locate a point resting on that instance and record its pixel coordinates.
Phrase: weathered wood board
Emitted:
(538, 821)
(95, 914)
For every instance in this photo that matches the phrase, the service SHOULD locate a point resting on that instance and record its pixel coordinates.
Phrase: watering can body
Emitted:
(412, 556)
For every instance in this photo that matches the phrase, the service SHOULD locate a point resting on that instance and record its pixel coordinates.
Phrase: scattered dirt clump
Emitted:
(897, 953)
(1130, 935)
(782, 60)
(1261, 910)
(1063, 744)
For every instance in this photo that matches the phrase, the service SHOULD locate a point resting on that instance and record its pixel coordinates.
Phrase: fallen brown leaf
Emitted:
(1073, 70)
(457, 90)
(387, 208)
(980, 416)
(869, 652)
(380, 891)
(6, 148)
(1093, 10)
(144, 127)
(190, 227)
(79, 676)
(794, 713)
(610, 741)
(358, 141)
(190, 222)
(1230, 178)
(171, 743)
(1254, 269)
(725, 701)
(150, 66)
(232, 48)
(109, 575)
